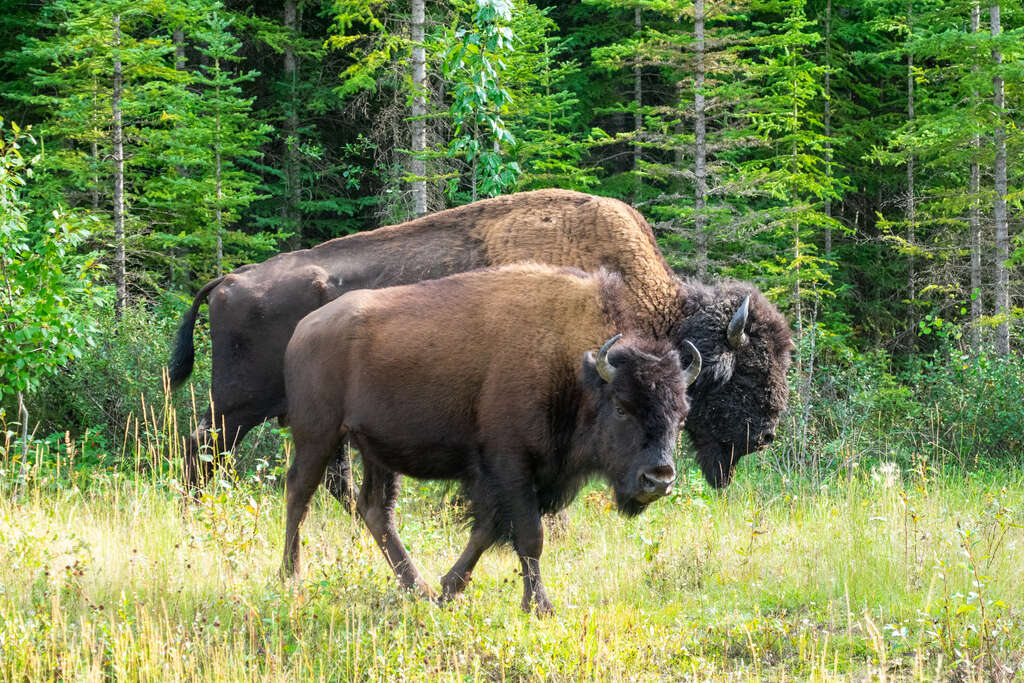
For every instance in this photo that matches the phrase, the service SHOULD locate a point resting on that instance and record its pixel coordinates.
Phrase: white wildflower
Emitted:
(887, 475)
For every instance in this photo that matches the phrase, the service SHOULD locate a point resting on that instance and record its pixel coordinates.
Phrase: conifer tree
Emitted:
(102, 74)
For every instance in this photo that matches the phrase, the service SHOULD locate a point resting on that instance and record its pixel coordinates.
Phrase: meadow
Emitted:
(872, 573)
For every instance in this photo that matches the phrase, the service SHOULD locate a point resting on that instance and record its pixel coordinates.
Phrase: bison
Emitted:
(485, 378)
(744, 340)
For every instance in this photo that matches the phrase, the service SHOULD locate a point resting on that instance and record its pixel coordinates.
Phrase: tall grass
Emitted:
(108, 572)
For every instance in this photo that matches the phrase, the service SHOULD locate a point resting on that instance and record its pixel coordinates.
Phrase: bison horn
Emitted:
(736, 334)
(693, 369)
(605, 369)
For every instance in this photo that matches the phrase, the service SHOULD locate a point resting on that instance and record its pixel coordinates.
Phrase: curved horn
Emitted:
(693, 369)
(736, 334)
(605, 369)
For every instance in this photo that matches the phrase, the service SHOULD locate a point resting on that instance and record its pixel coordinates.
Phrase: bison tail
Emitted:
(184, 354)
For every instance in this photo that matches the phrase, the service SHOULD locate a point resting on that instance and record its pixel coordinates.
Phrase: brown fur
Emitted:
(478, 378)
(254, 310)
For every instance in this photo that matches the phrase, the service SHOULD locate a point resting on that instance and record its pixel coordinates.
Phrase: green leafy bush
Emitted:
(948, 408)
(111, 383)
(45, 282)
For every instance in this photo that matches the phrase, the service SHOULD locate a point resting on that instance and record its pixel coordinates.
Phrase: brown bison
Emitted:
(485, 378)
(253, 311)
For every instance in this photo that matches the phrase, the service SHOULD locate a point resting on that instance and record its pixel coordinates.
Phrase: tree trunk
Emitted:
(120, 269)
(700, 142)
(418, 165)
(95, 191)
(911, 205)
(23, 418)
(218, 210)
(975, 216)
(638, 118)
(474, 165)
(999, 210)
(291, 73)
(828, 121)
(178, 36)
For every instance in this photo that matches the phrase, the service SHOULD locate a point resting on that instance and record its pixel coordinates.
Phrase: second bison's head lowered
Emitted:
(488, 378)
(738, 399)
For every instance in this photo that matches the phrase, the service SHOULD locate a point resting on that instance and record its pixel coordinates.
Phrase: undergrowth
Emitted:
(874, 572)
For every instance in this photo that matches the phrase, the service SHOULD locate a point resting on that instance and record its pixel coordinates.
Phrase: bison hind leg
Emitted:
(376, 506)
(304, 476)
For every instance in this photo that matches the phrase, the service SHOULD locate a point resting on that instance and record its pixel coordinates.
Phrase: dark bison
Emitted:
(253, 311)
(484, 378)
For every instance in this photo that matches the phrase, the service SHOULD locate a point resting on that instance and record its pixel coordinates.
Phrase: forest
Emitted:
(856, 160)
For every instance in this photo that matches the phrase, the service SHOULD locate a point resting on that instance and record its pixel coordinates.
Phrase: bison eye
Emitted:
(620, 411)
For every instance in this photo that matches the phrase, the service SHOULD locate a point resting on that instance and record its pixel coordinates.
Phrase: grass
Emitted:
(881, 575)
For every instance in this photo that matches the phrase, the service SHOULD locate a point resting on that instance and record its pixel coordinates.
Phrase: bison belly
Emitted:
(417, 428)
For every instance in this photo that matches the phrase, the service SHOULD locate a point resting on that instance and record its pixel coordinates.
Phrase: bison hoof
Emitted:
(543, 606)
(452, 585)
(288, 572)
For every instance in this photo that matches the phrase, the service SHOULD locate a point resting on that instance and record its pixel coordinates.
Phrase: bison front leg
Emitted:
(457, 578)
(377, 508)
(528, 537)
(529, 544)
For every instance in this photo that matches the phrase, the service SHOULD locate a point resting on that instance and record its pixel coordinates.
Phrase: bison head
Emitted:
(737, 399)
(636, 401)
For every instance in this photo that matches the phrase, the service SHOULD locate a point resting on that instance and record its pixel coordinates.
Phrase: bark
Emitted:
(291, 70)
(700, 142)
(1002, 293)
(95, 191)
(23, 418)
(975, 216)
(219, 220)
(911, 205)
(638, 119)
(218, 210)
(178, 36)
(828, 121)
(120, 270)
(418, 165)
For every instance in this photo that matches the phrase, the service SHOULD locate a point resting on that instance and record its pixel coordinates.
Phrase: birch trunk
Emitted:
(120, 269)
(418, 165)
(999, 210)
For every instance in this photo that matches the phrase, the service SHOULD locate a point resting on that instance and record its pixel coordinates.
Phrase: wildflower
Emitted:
(886, 475)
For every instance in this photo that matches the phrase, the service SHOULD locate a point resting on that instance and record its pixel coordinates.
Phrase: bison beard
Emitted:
(477, 378)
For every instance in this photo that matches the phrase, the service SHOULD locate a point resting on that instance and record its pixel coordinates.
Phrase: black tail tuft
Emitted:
(184, 354)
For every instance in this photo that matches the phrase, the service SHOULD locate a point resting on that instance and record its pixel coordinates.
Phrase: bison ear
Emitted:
(591, 377)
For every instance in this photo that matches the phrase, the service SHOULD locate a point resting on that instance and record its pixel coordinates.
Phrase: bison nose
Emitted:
(657, 480)
(767, 438)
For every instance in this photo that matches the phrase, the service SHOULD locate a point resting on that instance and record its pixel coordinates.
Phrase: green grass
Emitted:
(109, 575)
